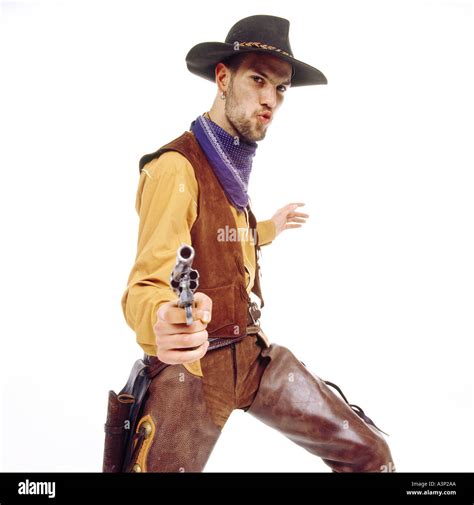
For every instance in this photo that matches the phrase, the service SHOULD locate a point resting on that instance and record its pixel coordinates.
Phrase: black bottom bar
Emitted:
(237, 488)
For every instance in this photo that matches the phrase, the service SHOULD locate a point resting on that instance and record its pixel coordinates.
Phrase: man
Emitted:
(194, 191)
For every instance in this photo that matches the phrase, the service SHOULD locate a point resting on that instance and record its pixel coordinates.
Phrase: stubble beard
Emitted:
(244, 126)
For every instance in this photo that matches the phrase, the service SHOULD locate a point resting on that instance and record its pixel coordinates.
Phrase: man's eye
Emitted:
(255, 77)
(282, 88)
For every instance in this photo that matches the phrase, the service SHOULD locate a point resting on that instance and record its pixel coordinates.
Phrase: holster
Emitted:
(123, 411)
(122, 440)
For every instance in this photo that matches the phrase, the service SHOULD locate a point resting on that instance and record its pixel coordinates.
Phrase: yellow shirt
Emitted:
(166, 203)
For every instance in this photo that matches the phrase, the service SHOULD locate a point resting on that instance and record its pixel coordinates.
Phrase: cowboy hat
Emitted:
(268, 34)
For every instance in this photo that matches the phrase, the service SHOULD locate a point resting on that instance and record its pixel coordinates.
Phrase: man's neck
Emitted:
(224, 124)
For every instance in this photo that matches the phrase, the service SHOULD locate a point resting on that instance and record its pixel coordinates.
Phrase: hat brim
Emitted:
(202, 59)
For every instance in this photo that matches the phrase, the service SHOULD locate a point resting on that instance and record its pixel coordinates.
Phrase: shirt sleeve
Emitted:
(166, 203)
(266, 231)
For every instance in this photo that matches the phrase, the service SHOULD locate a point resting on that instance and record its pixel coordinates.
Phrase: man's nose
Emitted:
(269, 98)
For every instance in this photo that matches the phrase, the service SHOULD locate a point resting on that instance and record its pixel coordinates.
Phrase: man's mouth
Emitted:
(265, 118)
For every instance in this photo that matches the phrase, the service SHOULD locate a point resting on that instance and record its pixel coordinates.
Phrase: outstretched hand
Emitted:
(287, 217)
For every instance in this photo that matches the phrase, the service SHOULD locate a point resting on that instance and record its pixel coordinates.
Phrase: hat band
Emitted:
(261, 45)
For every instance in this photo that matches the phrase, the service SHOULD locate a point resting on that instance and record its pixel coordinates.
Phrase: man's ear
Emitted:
(222, 74)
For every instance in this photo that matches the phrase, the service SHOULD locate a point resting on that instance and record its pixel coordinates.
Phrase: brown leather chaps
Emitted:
(184, 413)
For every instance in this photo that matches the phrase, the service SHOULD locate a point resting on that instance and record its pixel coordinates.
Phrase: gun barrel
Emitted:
(184, 260)
(186, 254)
(184, 280)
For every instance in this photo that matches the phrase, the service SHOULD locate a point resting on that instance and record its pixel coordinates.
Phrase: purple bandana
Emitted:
(230, 157)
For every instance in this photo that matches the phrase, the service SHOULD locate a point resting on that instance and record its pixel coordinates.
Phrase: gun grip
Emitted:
(189, 314)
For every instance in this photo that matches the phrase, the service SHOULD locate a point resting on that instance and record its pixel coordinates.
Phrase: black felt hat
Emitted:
(268, 34)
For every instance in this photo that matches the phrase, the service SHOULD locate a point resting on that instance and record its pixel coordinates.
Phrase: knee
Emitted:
(377, 457)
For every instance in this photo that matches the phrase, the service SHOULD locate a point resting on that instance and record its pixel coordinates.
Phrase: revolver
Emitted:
(184, 280)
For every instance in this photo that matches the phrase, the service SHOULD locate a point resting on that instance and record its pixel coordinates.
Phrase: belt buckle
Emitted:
(254, 313)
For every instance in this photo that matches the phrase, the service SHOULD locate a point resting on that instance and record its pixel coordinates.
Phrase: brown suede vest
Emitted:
(220, 263)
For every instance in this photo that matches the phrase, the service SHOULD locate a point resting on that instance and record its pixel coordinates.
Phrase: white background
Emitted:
(374, 293)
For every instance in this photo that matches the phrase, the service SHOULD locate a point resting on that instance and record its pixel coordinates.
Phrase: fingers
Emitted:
(171, 313)
(297, 214)
(296, 217)
(288, 226)
(295, 204)
(162, 327)
(176, 342)
(203, 305)
(183, 341)
(177, 315)
(292, 206)
(177, 357)
(291, 213)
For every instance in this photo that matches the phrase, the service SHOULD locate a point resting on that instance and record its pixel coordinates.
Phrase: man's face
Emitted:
(255, 93)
